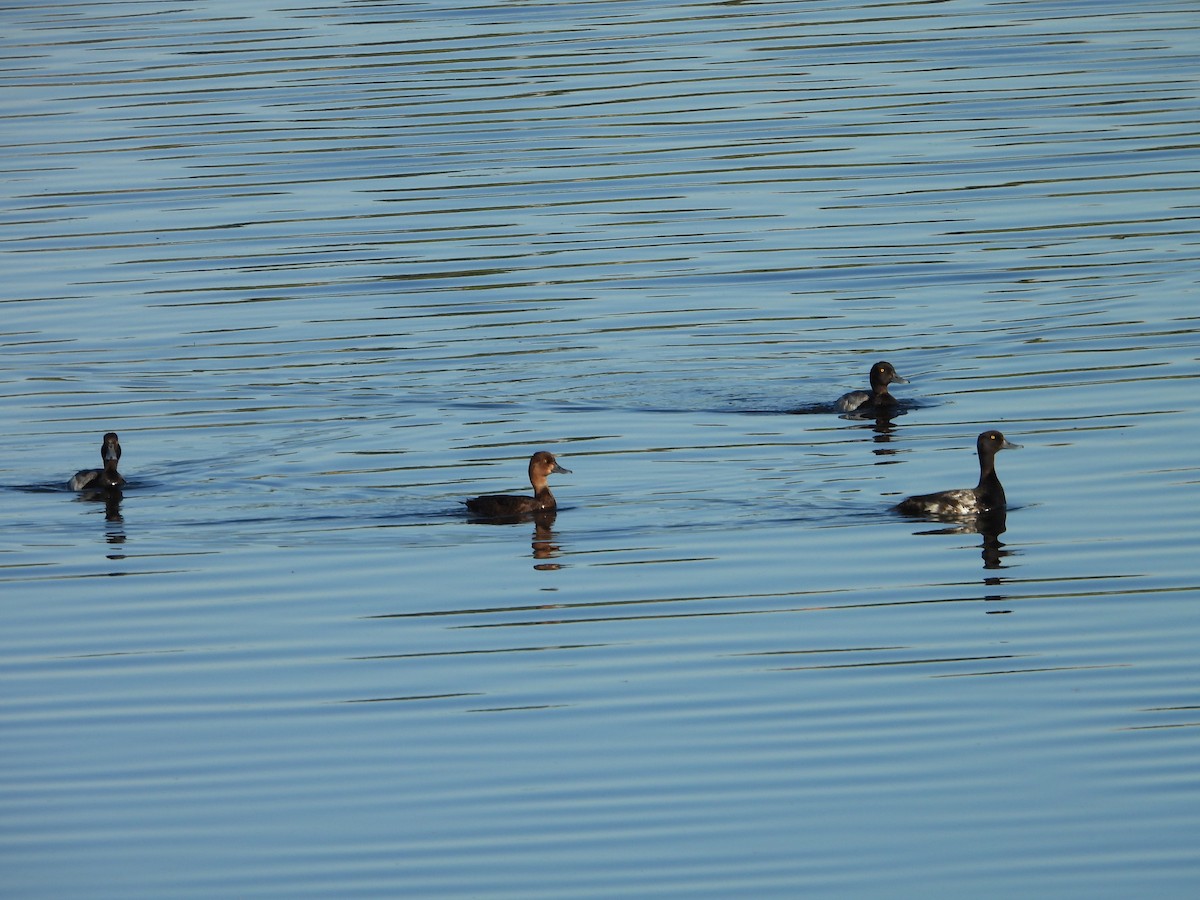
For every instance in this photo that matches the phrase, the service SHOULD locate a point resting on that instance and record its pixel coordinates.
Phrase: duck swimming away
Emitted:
(986, 497)
(877, 400)
(541, 465)
(106, 479)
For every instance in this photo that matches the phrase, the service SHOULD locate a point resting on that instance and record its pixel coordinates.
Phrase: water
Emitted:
(329, 269)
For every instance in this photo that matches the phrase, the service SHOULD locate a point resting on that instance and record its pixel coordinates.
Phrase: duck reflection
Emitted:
(875, 415)
(544, 546)
(989, 526)
(544, 541)
(880, 423)
(883, 426)
(990, 530)
(112, 510)
(114, 521)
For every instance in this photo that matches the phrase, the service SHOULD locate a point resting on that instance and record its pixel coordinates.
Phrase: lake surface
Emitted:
(331, 268)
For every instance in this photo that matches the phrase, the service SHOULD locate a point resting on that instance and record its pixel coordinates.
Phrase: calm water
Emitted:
(331, 268)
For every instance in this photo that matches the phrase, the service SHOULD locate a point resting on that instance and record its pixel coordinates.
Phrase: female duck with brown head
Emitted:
(541, 465)
(985, 498)
(106, 479)
(878, 401)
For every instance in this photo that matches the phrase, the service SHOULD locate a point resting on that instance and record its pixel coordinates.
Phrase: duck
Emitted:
(105, 479)
(986, 498)
(877, 400)
(541, 465)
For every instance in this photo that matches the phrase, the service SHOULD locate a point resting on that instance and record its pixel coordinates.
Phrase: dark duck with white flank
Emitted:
(985, 498)
(106, 479)
(541, 465)
(878, 400)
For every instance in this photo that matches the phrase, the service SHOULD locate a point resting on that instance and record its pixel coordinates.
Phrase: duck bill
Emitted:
(560, 470)
(1009, 445)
